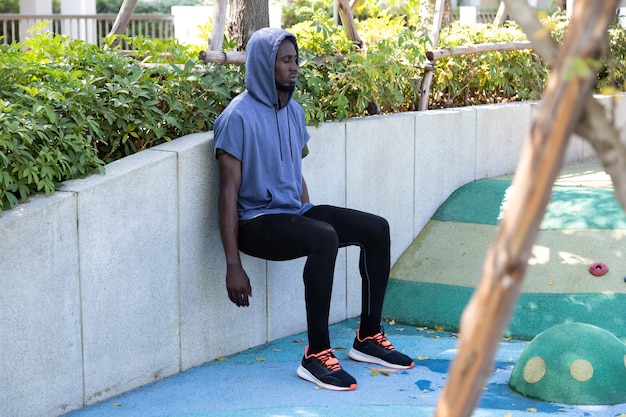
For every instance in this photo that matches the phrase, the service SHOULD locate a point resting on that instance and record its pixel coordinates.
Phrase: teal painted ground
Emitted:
(570, 207)
(426, 304)
(421, 302)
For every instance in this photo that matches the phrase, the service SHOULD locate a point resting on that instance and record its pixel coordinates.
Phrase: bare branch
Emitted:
(594, 125)
(487, 314)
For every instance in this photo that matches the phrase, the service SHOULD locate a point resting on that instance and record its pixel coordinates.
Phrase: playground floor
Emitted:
(262, 382)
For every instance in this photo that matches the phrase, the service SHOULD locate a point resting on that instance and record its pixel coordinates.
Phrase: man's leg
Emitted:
(280, 237)
(371, 233)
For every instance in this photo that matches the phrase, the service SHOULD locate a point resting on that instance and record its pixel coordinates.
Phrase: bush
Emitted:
(68, 107)
(489, 77)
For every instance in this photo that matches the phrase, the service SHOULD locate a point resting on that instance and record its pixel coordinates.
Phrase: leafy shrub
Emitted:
(69, 107)
(488, 77)
(347, 80)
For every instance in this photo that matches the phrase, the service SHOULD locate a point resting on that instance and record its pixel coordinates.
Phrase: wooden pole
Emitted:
(347, 20)
(219, 23)
(123, 18)
(429, 67)
(485, 318)
(476, 49)
(500, 15)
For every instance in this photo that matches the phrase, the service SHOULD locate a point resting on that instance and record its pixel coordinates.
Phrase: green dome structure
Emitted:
(572, 363)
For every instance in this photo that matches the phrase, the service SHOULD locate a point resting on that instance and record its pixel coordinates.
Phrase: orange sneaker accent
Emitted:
(327, 357)
(379, 338)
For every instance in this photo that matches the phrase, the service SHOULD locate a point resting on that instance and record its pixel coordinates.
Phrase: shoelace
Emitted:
(382, 341)
(327, 357)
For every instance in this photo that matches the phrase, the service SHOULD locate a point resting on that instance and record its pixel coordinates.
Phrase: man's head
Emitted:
(286, 66)
(271, 65)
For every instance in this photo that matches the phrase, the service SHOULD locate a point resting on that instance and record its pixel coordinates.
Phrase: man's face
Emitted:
(286, 66)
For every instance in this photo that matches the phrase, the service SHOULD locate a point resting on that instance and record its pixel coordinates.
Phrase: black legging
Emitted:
(318, 234)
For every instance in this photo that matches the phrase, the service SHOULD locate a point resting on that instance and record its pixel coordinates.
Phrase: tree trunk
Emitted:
(565, 98)
(246, 17)
(122, 19)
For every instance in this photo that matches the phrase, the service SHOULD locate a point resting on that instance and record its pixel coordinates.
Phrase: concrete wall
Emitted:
(117, 280)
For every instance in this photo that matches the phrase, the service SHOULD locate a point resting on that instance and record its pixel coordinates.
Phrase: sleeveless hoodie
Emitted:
(266, 138)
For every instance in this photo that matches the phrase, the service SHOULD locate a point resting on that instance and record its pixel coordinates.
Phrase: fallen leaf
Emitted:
(260, 359)
(222, 359)
(531, 410)
(340, 347)
(298, 341)
(117, 405)
(277, 350)
(382, 371)
(422, 358)
(392, 322)
(551, 282)
(400, 329)
(421, 329)
(439, 328)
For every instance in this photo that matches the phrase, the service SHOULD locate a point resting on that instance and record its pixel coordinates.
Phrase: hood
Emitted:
(260, 58)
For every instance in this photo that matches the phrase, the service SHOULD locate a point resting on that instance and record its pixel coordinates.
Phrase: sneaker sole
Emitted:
(363, 357)
(306, 375)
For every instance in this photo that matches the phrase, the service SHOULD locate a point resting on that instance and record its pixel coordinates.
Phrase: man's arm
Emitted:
(305, 192)
(237, 281)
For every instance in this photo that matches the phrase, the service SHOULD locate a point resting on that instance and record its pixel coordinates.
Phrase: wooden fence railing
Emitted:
(92, 28)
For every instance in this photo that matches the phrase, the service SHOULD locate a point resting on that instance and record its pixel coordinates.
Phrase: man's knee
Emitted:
(326, 237)
(380, 228)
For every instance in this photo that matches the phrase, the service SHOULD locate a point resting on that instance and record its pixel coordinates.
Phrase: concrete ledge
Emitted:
(118, 279)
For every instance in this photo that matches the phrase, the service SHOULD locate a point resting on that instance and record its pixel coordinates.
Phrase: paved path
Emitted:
(262, 382)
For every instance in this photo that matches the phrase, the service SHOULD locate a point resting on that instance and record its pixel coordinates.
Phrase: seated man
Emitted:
(265, 212)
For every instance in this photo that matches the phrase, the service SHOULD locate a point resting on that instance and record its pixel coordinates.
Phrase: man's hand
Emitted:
(238, 285)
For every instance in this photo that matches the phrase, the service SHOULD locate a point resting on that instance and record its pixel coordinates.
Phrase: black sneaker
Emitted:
(377, 349)
(324, 370)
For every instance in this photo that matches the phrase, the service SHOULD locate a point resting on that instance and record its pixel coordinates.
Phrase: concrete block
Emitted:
(128, 234)
(380, 180)
(501, 131)
(445, 149)
(325, 173)
(41, 352)
(211, 326)
(325, 167)
(285, 298)
(575, 147)
(381, 172)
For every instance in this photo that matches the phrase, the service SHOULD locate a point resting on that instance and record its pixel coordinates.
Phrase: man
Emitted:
(265, 212)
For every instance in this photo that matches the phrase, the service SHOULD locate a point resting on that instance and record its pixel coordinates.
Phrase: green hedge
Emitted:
(67, 108)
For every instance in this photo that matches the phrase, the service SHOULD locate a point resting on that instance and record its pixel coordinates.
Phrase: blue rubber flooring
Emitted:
(262, 382)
